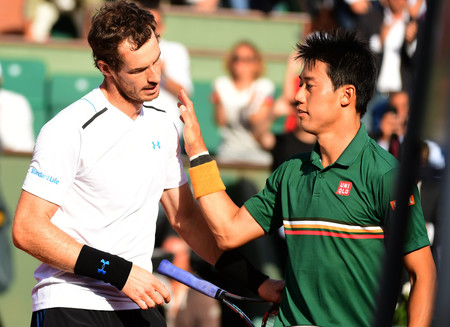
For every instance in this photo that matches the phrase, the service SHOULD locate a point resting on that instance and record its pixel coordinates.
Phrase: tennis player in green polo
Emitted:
(333, 202)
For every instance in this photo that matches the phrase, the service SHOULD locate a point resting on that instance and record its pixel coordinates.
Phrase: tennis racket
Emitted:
(168, 269)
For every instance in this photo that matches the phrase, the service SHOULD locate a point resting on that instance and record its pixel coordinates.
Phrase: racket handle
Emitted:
(168, 269)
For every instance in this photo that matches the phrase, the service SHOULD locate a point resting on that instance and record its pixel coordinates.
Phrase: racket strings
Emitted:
(270, 316)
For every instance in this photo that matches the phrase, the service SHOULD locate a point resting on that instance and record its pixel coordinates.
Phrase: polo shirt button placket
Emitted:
(318, 185)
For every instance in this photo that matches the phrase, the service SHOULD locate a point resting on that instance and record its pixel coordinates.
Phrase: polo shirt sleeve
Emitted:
(265, 206)
(416, 236)
(54, 163)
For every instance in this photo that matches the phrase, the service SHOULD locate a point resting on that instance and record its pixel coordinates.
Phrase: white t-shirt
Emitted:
(238, 144)
(107, 173)
(177, 67)
(389, 76)
(16, 122)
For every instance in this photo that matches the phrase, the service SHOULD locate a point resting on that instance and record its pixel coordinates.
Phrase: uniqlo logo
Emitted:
(344, 188)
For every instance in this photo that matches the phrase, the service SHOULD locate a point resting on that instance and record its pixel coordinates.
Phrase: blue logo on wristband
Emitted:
(102, 269)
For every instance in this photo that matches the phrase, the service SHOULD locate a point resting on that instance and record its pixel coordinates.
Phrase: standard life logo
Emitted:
(49, 178)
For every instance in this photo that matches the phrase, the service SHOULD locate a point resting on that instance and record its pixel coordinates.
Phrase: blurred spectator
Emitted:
(397, 102)
(241, 101)
(346, 12)
(6, 263)
(322, 15)
(393, 125)
(188, 308)
(396, 41)
(66, 18)
(16, 121)
(199, 5)
(175, 67)
(12, 16)
(391, 33)
(241, 6)
(430, 187)
(388, 126)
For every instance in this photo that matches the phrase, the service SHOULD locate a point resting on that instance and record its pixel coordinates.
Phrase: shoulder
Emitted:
(79, 114)
(296, 163)
(378, 167)
(380, 158)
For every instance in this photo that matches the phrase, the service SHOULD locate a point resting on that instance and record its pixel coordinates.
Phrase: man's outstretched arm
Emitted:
(231, 226)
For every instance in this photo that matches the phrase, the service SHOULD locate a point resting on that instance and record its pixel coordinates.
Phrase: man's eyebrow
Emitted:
(305, 78)
(138, 69)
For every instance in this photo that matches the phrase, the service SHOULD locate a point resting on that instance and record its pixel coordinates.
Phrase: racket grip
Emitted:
(168, 269)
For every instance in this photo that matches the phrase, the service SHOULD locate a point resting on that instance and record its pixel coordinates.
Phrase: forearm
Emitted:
(198, 236)
(221, 214)
(186, 218)
(422, 272)
(34, 233)
(421, 302)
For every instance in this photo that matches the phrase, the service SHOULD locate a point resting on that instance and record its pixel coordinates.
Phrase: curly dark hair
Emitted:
(348, 59)
(115, 22)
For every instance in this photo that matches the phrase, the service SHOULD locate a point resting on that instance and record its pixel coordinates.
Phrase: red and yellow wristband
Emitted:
(205, 175)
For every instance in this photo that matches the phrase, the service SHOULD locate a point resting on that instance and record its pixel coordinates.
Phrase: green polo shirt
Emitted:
(334, 220)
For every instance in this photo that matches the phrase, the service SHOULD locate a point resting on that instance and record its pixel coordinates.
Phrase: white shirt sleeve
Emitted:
(54, 163)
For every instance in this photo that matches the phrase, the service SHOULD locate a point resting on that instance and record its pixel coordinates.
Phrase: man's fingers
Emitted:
(145, 289)
(160, 294)
(184, 100)
(161, 289)
(153, 298)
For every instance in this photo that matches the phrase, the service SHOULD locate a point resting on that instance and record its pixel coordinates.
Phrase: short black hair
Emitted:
(348, 59)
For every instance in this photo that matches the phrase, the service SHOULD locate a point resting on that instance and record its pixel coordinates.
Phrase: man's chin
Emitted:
(151, 96)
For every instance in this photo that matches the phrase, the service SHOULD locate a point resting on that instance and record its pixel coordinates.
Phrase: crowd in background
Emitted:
(244, 101)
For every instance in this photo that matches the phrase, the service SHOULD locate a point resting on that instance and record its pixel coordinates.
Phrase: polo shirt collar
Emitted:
(350, 153)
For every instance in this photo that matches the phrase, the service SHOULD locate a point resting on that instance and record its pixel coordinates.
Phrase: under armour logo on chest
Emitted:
(156, 145)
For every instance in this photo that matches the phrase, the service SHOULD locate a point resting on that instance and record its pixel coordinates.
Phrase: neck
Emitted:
(304, 136)
(333, 144)
(130, 108)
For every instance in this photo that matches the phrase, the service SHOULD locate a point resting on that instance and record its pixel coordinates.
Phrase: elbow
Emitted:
(16, 238)
(226, 243)
(19, 236)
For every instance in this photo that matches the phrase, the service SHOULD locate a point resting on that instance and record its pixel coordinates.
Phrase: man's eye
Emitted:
(138, 71)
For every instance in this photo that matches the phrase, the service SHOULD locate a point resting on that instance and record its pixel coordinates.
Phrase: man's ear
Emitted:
(104, 68)
(348, 95)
